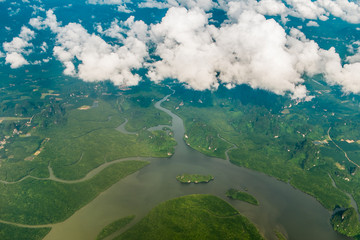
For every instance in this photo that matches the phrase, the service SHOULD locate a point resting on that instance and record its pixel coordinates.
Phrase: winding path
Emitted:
(89, 175)
(341, 149)
(95, 171)
(229, 149)
(122, 129)
(279, 198)
(98, 169)
(26, 226)
(352, 200)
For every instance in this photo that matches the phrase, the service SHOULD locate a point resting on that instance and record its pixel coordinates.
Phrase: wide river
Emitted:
(296, 214)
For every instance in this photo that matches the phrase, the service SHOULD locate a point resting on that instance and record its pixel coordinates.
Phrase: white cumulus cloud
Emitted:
(252, 51)
(108, 2)
(247, 49)
(203, 4)
(347, 76)
(185, 45)
(264, 7)
(344, 9)
(157, 4)
(99, 60)
(312, 24)
(321, 9)
(15, 60)
(355, 49)
(306, 9)
(18, 47)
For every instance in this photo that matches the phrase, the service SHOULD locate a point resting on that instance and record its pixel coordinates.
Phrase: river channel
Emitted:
(296, 214)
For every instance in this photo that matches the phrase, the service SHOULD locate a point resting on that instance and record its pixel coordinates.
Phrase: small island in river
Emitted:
(194, 178)
(242, 196)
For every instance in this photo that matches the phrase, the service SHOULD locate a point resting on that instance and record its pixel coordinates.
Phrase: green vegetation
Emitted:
(88, 139)
(272, 134)
(138, 107)
(204, 138)
(194, 178)
(114, 226)
(193, 217)
(279, 235)
(38, 130)
(280, 137)
(28, 119)
(62, 200)
(242, 196)
(10, 232)
(266, 140)
(346, 222)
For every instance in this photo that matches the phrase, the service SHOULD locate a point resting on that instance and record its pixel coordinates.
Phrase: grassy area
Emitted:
(317, 183)
(193, 217)
(89, 139)
(194, 178)
(204, 138)
(10, 232)
(80, 140)
(279, 235)
(267, 142)
(276, 135)
(346, 222)
(114, 226)
(242, 196)
(40, 202)
(273, 134)
(52, 130)
(138, 107)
